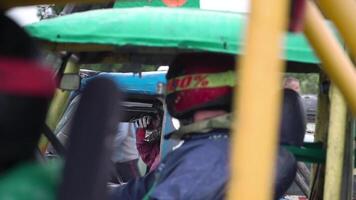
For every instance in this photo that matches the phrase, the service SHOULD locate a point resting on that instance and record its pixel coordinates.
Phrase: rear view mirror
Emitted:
(70, 82)
(160, 88)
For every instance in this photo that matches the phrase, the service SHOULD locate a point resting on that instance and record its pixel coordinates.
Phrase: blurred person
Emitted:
(292, 83)
(148, 139)
(26, 89)
(125, 154)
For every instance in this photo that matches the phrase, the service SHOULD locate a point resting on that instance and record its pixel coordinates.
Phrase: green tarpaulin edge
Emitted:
(183, 28)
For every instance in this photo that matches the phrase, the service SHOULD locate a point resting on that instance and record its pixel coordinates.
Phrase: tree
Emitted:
(120, 67)
(46, 11)
(309, 82)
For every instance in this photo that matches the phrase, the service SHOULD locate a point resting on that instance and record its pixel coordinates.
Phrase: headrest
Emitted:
(293, 123)
(87, 167)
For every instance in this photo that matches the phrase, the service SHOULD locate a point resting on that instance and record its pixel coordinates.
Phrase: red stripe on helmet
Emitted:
(26, 77)
(186, 100)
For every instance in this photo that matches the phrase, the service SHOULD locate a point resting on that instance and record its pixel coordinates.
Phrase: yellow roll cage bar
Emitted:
(252, 165)
(260, 78)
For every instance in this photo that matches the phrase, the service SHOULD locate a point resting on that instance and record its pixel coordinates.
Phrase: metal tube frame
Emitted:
(58, 104)
(336, 145)
(257, 103)
(336, 63)
(343, 14)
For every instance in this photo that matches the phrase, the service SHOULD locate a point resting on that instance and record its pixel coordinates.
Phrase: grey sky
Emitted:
(24, 15)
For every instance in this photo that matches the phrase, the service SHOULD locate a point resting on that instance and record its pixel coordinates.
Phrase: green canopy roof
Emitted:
(181, 28)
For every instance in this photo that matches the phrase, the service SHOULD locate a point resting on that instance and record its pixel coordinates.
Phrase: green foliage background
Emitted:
(308, 82)
(120, 67)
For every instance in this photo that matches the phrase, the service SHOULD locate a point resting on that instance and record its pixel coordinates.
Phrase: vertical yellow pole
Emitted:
(335, 61)
(336, 146)
(58, 104)
(343, 14)
(321, 134)
(257, 103)
(323, 112)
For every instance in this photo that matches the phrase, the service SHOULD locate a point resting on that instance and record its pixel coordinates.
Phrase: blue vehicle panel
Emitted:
(134, 83)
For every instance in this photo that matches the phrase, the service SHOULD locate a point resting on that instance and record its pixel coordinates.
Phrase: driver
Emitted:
(199, 94)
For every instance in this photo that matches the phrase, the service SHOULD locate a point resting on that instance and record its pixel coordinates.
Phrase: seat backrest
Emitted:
(87, 168)
(293, 122)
